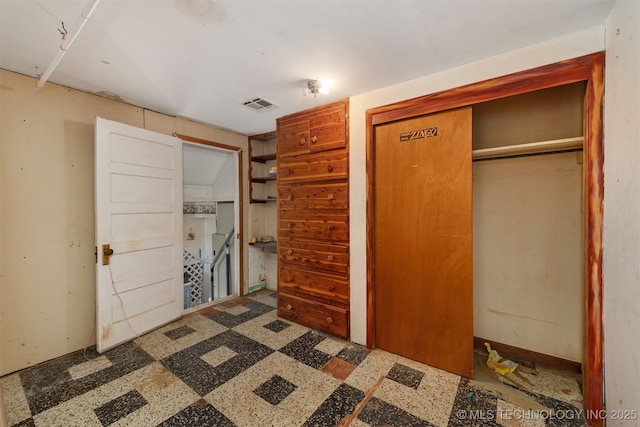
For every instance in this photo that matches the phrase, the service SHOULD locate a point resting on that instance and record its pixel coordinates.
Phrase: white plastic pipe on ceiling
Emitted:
(69, 38)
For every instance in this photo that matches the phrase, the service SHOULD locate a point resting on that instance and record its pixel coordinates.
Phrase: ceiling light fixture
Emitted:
(316, 87)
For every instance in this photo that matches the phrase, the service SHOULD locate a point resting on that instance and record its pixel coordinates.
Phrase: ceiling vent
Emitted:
(259, 104)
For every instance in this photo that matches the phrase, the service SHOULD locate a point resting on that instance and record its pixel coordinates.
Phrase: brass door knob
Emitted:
(289, 279)
(302, 141)
(289, 252)
(329, 319)
(290, 225)
(330, 167)
(289, 307)
(330, 258)
(314, 139)
(330, 197)
(332, 288)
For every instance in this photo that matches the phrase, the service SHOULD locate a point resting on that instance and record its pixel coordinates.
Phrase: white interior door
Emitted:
(139, 215)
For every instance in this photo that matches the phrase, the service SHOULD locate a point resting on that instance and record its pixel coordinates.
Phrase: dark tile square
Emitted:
(405, 375)
(50, 384)
(342, 402)
(572, 416)
(302, 349)
(275, 390)
(180, 332)
(471, 400)
(25, 423)
(198, 415)
(201, 376)
(277, 326)
(353, 353)
(231, 321)
(120, 407)
(380, 413)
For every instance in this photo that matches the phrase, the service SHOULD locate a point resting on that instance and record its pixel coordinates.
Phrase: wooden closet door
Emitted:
(423, 278)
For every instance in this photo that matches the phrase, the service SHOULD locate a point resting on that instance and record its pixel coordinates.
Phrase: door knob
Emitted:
(106, 254)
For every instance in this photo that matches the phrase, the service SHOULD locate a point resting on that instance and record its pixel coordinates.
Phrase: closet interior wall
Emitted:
(527, 212)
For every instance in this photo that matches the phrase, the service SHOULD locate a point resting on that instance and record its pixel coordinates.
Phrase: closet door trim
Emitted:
(589, 68)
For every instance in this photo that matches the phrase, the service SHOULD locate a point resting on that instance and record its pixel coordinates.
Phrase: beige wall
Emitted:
(573, 45)
(622, 211)
(47, 295)
(527, 256)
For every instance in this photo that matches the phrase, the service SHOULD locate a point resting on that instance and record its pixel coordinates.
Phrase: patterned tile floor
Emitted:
(237, 364)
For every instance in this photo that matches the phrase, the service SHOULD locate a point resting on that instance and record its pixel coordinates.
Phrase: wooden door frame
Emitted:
(588, 68)
(240, 231)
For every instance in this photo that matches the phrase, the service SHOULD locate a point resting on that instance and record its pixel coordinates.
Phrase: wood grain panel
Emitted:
(423, 240)
(327, 130)
(313, 226)
(308, 255)
(323, 317)
(333, 195)
(314, 167)
(293, 137)
(328, 288)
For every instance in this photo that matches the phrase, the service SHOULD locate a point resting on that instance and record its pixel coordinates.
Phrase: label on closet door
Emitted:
(419, 134)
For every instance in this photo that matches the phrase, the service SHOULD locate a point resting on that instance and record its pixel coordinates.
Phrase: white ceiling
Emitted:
(201, 59)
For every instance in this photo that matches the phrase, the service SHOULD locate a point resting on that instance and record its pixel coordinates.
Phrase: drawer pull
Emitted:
(329, 319)
(302, 141)
(331, 228)
(290, 197)
(330, 167)
(289, 307)
(330, 197)
(289, 279)
(330, 258)
(290, 225)
(332, 288)
(289, 252)
(314, 139)
(290, 171)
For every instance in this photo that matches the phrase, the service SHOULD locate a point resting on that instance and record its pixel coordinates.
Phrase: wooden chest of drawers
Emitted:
(313, 218)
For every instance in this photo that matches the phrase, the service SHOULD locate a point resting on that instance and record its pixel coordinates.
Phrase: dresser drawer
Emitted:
(323, 166)
(315, 315)
(293, 137)
(311, 225)
(314, 256)
(327, 130)
(328, 195)
(327, 288)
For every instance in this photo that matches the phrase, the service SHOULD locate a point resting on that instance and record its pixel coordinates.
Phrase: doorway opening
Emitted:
(211, 223)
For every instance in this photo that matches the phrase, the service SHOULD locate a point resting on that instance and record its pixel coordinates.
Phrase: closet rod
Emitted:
(542, 147)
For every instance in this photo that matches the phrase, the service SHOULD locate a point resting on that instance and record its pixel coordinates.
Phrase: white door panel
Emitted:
(139, 214)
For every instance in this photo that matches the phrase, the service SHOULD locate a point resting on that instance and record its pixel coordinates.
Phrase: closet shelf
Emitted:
(527, 149)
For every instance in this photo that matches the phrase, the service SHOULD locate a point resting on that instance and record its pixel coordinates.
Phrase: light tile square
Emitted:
(89, 367)
(236, 400)
(511, 415)
(218, 356)
(237, 310)
(159, 346)
(255, 330)
(432, 401)
(331, 346)
(15, 401)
